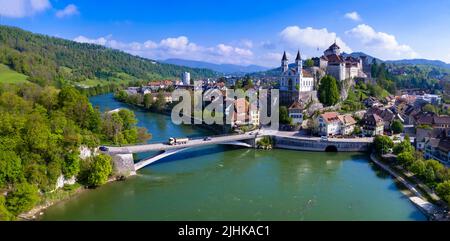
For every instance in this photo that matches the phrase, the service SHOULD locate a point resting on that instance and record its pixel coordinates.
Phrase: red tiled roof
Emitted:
(330, 117)
(333, 58)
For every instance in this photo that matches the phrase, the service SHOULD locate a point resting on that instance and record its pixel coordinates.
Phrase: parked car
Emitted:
(104, 148)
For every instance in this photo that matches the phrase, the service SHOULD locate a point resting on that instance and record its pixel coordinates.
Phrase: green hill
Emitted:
(10, 76)
(49, 60)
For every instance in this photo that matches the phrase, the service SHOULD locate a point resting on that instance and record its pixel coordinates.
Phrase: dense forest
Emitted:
(49, 60)
(41, 132)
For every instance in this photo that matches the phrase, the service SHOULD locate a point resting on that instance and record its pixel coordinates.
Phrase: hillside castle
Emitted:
(298, 83)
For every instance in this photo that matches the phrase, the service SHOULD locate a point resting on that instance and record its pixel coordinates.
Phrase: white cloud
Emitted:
(246, 43)
(381, 44)
(178, 47)
(353, 16)
(69, 10)
(297, 37)
(83, 39)
(22, 8)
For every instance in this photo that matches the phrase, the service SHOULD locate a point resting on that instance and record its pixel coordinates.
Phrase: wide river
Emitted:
(229, 183)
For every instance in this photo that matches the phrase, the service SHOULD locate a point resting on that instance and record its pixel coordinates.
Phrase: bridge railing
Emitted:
(190, 138)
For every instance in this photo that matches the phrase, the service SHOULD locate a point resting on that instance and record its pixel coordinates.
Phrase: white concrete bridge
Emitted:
(238, 139)
(123, 155)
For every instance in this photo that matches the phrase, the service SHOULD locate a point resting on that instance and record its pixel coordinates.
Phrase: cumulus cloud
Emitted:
(176, 47)
(381, 44)
(297, 37)
(353, 16)
(69, 10)
(22, 8)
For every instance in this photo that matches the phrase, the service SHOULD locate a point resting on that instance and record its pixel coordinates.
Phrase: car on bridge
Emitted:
(207, 138)
(104, 148)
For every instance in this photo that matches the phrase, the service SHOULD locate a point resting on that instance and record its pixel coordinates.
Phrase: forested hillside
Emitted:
(49, 60)
(41, 132)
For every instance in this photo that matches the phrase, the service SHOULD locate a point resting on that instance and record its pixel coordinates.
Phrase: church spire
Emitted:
(298, 56)
(284, 56)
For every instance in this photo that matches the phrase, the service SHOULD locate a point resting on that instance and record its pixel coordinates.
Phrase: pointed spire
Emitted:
(298, 56)
(284, 56)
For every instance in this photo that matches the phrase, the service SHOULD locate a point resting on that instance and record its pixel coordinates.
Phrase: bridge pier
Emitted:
(123, 165)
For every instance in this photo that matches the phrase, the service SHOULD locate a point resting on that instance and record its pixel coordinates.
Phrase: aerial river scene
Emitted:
(232, 183)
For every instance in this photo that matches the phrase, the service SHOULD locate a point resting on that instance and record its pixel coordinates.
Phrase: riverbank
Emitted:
(217, 129)
(422, 201)
(56, 197)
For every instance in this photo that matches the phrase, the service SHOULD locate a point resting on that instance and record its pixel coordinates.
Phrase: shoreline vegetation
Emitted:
(427, 179)
(42, 133)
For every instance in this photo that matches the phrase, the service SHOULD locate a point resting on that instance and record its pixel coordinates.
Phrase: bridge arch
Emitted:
(166, 153)
(331, 148)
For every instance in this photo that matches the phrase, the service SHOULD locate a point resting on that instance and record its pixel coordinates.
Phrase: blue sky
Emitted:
(243, 32)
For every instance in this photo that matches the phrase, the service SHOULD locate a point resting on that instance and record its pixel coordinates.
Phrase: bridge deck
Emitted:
(163, 146)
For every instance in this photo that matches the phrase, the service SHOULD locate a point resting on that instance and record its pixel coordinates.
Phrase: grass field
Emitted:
(10, 76)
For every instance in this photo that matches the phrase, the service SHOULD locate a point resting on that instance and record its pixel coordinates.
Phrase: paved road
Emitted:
(225, 139)
(192, 143)
(295, 135)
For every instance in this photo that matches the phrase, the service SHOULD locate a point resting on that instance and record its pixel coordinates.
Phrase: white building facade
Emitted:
(295, 79)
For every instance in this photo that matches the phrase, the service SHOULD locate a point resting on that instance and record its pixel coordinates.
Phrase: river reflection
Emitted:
(232, 183)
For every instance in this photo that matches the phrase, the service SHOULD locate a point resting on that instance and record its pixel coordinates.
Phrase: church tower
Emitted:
(284, 63)
(299, 63)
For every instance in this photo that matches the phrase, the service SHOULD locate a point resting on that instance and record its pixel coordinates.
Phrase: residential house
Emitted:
(347, 124)
(423, 135)
(329, 124)
(438, 149)
(296, 112)
(433, 120)
(386, 114)
(243, 113)
(373, 124)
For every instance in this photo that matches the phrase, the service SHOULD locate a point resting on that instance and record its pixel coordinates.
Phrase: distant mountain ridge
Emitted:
(436, 63)
(222, 68)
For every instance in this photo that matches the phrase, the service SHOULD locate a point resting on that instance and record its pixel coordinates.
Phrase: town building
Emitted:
(438, 149)
(347, 124)
(185, 78)
(329, 124)
(373, 124)
(296, 112)
(423, 135)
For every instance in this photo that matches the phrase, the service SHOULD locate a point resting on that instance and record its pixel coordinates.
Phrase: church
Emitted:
(297, 78)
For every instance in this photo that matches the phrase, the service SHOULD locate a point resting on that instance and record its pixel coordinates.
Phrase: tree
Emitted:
(71, 165)
(22, 198)
(397, 127)
(443, 190)
(284, 116)
(10, 168)
(429, 108)
(5, 215)
(382, 144)
(418, 167)
(430, 175)
(405, 158)
(100, 170)
(309, 63)
(148, 100)
(160, 102)
(328, 91)
(404, 146)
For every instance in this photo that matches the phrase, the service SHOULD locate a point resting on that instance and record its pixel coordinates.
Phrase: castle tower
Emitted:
(284, 62)
(299, 63)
